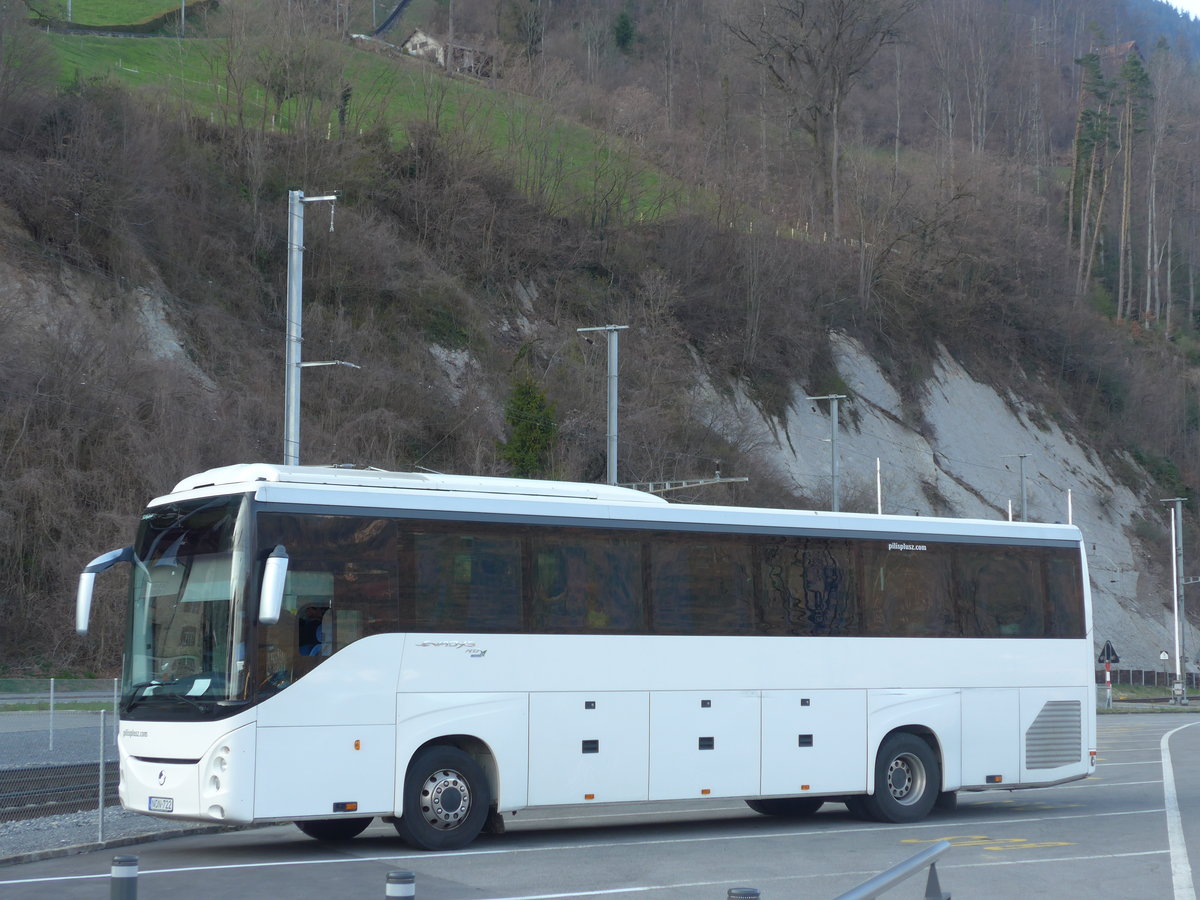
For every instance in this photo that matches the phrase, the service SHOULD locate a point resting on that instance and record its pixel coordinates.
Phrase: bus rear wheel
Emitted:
(446, 800)
(907, 780)
(334, 829)
(786, 807)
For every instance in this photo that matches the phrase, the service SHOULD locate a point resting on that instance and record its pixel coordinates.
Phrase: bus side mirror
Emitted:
(270, 598)
(87, 580)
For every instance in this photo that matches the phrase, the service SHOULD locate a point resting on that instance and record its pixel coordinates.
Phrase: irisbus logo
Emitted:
(896, 545)
(469, 646)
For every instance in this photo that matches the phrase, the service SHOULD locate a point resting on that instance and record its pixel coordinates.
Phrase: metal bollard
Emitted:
(124, 878)
(401, 884)
(742, 894)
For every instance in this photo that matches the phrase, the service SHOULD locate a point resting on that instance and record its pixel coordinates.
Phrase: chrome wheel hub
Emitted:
(906, 779)
(445, 799)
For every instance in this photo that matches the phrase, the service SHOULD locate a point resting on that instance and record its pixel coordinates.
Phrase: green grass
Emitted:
(183, 66)
(564, 164)
(1140, 692)
(104, 12)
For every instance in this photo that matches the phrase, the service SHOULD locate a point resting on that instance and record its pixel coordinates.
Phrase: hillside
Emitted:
(986, 264)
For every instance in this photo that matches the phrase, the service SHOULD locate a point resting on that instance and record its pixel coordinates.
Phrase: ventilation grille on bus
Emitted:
(1055, 738)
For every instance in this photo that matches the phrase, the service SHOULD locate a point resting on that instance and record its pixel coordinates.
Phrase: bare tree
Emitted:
(26, 60)
(814, 51)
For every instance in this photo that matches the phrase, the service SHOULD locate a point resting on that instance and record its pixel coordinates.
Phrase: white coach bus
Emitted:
(329, 645)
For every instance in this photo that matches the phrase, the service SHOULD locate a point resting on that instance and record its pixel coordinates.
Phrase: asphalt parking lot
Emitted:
(1129, 832)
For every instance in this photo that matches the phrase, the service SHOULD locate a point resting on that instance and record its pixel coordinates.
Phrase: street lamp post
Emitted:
(612, 331)
(833, 431)
(291, 383)
(1179, 692)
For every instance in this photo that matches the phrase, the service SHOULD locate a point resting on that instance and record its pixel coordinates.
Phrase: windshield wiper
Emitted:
(184, 698)
(137, 689)
(135, 692)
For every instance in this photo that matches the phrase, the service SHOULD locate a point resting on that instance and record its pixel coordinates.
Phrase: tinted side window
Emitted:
(1064, 594)
(585, 582)
(701, 585)
(809, 587)
(461, 579)
(1001, 592)
(907, 589)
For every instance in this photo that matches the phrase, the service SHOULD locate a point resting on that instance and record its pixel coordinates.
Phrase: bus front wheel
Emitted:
(907, 780)
(334, 829)
(446, 800)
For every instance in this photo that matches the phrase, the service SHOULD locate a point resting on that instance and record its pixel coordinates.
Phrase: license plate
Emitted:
(162, 804)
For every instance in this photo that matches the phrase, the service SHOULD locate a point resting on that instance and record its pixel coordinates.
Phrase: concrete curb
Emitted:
(126, 841)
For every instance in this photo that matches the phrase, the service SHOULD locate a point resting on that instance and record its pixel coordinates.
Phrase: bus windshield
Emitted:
(187, 610)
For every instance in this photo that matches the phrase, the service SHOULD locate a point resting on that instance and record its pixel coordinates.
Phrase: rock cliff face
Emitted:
(955, 451)
(959, 454)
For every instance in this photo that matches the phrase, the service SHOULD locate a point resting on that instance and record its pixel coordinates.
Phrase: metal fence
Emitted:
(58, 748)
(1148, 677)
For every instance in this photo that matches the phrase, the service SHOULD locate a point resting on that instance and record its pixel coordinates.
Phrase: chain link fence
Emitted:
(58, 747)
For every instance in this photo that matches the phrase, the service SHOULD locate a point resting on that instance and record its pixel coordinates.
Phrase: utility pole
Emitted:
(295, 274)
(1180, 690)
(833, 430)
(612, 331)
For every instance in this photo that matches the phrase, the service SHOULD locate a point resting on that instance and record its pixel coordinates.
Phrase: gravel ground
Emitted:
(25, 740)
(32, 839)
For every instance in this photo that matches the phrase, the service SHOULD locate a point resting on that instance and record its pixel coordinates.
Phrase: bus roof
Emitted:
(337, 476)
(579, 501)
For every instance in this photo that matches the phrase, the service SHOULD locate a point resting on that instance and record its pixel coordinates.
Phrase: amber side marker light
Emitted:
(995, 779)
(349, 806)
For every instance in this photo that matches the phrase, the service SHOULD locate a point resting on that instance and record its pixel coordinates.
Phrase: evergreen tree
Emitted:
(624, 33)
(530, 417)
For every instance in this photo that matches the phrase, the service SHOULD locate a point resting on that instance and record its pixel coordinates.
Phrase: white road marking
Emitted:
(450, 857)
(1181, 869)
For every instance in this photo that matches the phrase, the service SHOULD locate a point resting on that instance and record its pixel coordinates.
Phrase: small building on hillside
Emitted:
(463, 59)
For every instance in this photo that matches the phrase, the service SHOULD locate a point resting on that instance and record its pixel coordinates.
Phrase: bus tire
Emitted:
(947, 801)
(334, 829)
(787, 807)
(907, 780)
(857, 805)
(446, 800)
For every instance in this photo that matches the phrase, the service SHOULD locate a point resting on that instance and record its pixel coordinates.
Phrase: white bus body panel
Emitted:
(1051, 720)
(394, 693)
(991, 716)
(704, 743)
(156, 761)
(938, 710)
(814, 742)
(499, 720)
(588, 746)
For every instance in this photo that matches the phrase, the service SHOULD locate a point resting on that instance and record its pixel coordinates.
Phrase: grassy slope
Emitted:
(568, 164)
(104, 12)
